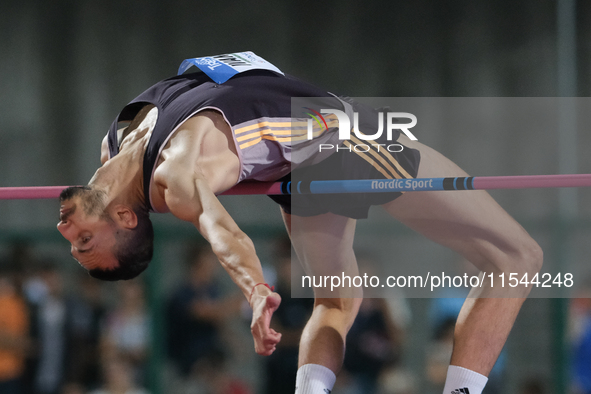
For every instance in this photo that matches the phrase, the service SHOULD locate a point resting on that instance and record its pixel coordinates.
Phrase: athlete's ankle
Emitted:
(314, 379)
(463, 381)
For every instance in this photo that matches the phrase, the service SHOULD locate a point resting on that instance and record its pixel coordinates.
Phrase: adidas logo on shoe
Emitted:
(463, 390)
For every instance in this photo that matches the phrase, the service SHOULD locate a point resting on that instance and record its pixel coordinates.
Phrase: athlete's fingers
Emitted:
(265, 338)
(269, 343)
(272, 338)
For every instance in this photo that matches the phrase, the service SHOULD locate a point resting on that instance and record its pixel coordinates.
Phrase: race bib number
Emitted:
(220, 68)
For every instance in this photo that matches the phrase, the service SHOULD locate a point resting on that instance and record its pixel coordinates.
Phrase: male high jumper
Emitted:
(190, 137)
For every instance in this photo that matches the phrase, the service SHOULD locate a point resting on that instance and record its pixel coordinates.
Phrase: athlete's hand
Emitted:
(265, 338)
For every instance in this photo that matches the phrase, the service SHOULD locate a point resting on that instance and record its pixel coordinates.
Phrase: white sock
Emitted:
(314, 379)
(463, 381)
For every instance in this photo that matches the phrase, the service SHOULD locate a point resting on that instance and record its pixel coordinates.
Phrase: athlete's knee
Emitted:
(525, 257)
(521, 256)
(531, 257)
(526, 263)
(342, 310)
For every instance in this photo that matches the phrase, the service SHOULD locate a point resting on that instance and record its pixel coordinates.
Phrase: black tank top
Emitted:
(256, 104)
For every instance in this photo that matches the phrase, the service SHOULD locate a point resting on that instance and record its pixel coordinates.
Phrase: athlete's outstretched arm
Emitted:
(189, 198)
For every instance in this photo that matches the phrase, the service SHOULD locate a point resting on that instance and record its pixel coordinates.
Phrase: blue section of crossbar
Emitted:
(374, 186)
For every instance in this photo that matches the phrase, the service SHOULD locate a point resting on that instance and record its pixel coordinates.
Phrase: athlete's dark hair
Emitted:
(133, 249)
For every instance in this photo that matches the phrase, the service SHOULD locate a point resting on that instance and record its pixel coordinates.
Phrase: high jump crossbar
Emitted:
(357, 186)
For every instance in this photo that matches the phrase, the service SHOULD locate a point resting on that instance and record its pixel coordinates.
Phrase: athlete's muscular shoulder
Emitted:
(202, 148)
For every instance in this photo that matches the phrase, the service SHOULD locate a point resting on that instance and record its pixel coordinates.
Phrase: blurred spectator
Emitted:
(127, 329)
(87, 314)
(14, 322)
(581, 339)
(290, 319)
(118, 378)
(52, 333)
(65, 326)
(196, 312)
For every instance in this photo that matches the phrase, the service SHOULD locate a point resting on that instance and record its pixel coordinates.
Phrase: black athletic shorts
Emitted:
(352, 161)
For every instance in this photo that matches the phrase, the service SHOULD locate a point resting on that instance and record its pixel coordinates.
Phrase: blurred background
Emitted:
(68, 67)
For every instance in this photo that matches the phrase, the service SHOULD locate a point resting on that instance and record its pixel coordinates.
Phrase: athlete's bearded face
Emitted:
(89, 229)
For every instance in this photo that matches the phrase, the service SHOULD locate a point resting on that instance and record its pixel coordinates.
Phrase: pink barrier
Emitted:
(30, 192)
(531, 181)
(46, 192)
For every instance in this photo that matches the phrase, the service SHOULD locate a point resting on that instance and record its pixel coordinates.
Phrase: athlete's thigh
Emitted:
(470, 222)
(324, 246)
